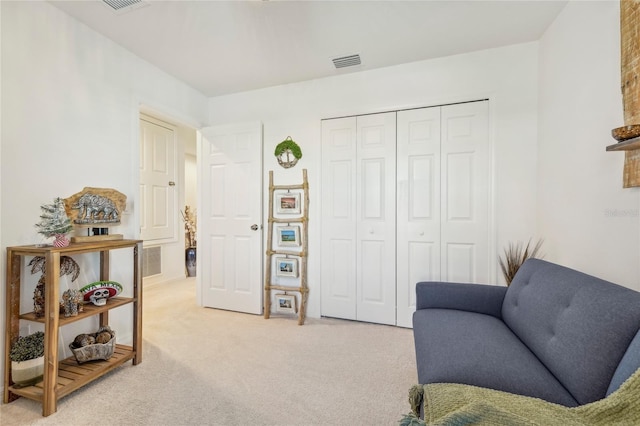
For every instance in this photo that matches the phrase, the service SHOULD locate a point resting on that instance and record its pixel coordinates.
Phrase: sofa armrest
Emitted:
(480, 298)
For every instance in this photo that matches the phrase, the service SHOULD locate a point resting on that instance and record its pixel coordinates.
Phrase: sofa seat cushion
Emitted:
(455, 346)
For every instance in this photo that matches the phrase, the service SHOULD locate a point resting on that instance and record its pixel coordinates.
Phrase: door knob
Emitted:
(254, 227)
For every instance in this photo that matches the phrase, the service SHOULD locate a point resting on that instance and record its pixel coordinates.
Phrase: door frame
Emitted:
(142, 106)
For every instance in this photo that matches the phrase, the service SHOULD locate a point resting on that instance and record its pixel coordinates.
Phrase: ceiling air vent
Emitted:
(347, 61)
(122, 6)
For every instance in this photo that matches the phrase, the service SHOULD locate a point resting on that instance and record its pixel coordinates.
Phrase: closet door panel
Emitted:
(338, 244)
(376, 212)
(418, 195)
(465, 192)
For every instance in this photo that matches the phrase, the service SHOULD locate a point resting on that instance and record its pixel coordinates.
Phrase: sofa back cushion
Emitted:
(578, 325)
(629, 364)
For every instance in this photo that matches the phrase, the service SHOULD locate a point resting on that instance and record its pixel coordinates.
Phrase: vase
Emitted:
(61, 240)
(29, 372)
(190, 261)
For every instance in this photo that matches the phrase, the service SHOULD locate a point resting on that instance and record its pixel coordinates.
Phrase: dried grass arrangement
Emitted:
(514, 257)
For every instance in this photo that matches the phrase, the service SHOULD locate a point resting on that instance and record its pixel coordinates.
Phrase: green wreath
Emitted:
(288, 144)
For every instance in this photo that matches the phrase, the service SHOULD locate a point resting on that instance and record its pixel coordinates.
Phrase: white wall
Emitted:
(588, 220)
(70, 101)
(508, 76)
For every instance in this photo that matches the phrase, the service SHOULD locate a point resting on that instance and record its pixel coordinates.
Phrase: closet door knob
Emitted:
(254, 227)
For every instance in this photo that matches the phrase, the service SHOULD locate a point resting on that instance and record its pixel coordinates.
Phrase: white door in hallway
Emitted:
(157, 176)
(230, 217)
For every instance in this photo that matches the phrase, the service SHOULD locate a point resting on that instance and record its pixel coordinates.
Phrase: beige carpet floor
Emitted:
(212, 367)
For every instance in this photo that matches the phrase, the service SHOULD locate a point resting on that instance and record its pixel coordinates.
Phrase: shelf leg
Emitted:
(51, 323)
(12, 324)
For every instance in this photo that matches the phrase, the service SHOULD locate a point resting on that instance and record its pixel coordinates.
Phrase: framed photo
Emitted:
(288, 235)
(288, 203)
(286, 267)
(286, 303)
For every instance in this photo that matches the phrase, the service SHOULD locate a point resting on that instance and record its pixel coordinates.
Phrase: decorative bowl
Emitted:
(97, 351)
(624, 133)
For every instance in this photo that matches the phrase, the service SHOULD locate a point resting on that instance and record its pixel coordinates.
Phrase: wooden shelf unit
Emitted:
(63, 377)
(302, 254)
(628, 145)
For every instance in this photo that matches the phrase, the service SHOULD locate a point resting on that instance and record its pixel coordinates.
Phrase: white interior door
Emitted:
(230, 217)
(466, 172)
(338, 279)
(157, 176)
(376, 218)
(418, 229)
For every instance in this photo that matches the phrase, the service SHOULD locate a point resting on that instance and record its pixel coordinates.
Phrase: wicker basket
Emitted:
(97, 351)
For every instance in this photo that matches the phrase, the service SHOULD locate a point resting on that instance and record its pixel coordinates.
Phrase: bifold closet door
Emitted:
(358, 218)
(466, 182)
(376, 217)
(338, 205)
(444, 176)
(418, 226)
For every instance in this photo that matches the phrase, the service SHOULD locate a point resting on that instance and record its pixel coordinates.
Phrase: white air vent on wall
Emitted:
(122, 6)
(151, 261)
(347, 61)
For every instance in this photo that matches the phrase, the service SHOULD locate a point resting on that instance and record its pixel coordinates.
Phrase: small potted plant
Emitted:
(514, 257)
(27, 359)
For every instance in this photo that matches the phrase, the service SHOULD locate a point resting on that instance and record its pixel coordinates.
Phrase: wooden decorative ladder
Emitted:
(275, 249)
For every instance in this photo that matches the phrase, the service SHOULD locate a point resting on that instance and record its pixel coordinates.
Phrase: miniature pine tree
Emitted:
(54, 219)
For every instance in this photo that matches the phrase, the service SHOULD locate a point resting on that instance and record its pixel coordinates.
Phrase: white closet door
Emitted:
(376, 215)
(418, 230)
(338, 276)
(465, 192)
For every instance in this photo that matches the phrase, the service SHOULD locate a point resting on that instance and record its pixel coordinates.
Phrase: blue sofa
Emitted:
(555, 334)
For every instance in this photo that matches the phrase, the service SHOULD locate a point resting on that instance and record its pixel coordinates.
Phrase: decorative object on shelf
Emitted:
(624, 133)
(27, 359)
(286, 303)
(96, 346)
(99, 291)
(72, 302)
(288, 235)
(288, 203)
(96, 208)
(190, 240)
(68, 266)
(54, 222)
(288, 153)
(514, 257)
(286, 267)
